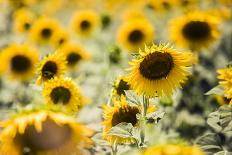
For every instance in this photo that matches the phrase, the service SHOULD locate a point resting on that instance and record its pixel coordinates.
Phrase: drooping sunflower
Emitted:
(120, 112)
(19, 61)
(63, 91)
(43, 132)
(134, 34)
(119, 86)
(85, 22)
(195, 30)
(225, 76)
(44, 29)
(159, 70)
(23, 20)
(74, 54)
(173, 149)
(54, 65)
(60, 37)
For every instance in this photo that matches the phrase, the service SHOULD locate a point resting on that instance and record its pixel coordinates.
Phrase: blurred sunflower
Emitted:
(187, 3)
(43, 132)
(134, 34)
(159, 70)
(173, 149)
(60, 38)
(62, 91)
(74, 54)
(161, 5)
(54, 65)
(44, 29)
(225, 76)
(119, 86)
(195, 30)
(23, 20)
(120, 112)
(19, 61)
(85, 22)
(226, 2)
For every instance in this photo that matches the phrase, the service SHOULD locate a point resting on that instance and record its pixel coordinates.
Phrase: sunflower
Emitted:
(173, 149)
(119, 86)
(44, 29)
(225, 76)
(60, 38)
(195, 30)
(85, 22)
(54, 65)
(19, 61)
(134, 34)
(62, 91)
(43, 132)
(23, 20)
(120, 112)
(161, 5)
(187, 3)
(73, 53)
(159, 70)
(226, 2)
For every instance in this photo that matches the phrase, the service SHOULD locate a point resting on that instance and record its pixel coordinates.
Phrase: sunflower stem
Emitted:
(145, 105)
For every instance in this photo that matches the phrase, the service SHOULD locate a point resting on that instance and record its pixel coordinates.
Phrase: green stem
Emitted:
(145, 105)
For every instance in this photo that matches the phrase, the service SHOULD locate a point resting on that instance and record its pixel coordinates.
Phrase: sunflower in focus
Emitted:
(44, 29)
(19, 61)
(60, 37)
(63, 91)
(85, 22)
(54, 65)
(134, 34)
(43, 132)
(74, 54)
(159, 70)
(195, 30)
(225, 76)
(23, 20)
(120, 112)
(120, 86)
(173, 149)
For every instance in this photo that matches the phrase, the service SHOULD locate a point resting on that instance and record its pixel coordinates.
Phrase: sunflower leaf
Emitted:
(155, 117)
(132, 98)
(218, 90)
(123, 130)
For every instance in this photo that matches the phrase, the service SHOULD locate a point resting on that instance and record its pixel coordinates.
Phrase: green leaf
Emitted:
(123, 130)
(132, 98)
(218, 90)
(155, 117)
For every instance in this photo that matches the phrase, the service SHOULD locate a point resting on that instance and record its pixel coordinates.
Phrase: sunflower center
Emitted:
(49, 70)
(73, 58)
(20, 64)
(156, 65)
(122, 86)
(46, 33)
(196, 30)
(136, 36)
(127, 115)
(85, 25)
(61, 41)
(166, 5)
(60, 94)
(52, 136)
(27, 26)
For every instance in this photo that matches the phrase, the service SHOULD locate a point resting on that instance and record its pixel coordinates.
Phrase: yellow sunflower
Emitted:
(226, 2)
(73, 53)
(85, 22)
(120, 112)
(60, 38)
(159, 70)
(133, 34)
(23, 20)
(161, 5)
(63, 91)
(225, 76)
(19, 61)
(54, 65)
(195, 30)
(119, 86)
(43, 132)
(187, 3)
(44, 29)
(173, 149)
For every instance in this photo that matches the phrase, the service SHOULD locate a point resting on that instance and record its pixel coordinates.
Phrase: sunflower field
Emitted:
(115, 77)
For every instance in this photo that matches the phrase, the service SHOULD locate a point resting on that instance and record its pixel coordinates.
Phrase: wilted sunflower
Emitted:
(195, 30)
(44, 29)
(134, 34)
(85, 22)
(43, 132)
(173, 149)
(60, 38)
(23, 20)
(63, 91)
(54, 65)
(120, 86)
(73, 53)
(159, 70)
(19, 61)
(120, 112)
(225, 76)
